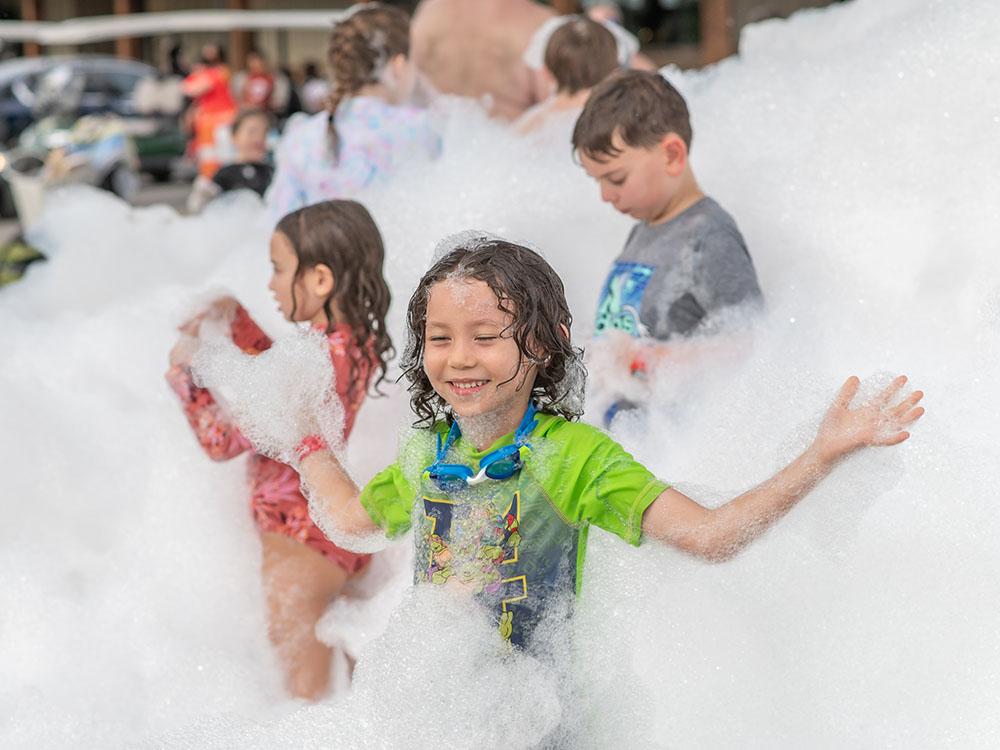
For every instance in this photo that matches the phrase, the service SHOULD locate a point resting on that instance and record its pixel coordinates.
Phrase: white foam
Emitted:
(856, 150)
(277, 397)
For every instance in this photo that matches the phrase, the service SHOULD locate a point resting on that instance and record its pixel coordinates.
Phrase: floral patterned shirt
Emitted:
(374, 137)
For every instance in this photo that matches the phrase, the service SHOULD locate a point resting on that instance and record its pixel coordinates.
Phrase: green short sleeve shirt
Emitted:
(517, 541)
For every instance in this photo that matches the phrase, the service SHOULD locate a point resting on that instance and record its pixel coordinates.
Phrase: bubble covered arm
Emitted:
(285, 402)
(719, 533)
(216, 431)
(333, 496)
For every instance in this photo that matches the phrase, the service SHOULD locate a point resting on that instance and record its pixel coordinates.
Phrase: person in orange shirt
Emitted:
(214, 106)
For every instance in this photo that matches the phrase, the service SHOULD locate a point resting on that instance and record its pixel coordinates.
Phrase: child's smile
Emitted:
(464, 388)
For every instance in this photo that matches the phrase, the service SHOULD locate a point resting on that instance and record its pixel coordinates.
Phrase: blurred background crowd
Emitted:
(136, 96)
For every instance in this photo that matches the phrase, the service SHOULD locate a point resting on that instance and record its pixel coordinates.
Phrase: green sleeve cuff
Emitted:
(642, 501)
(388, 500)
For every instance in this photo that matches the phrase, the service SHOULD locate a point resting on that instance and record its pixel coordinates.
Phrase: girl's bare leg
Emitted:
(299, 584)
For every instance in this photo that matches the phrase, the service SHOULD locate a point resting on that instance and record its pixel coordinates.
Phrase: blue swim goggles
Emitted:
(502, 463)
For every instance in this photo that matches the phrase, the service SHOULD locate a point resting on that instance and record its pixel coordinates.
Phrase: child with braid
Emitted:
(367, 125)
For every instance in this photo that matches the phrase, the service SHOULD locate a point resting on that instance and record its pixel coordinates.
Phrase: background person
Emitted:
(214, 106)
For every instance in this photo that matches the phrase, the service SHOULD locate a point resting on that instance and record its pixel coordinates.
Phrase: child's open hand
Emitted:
(881, 421)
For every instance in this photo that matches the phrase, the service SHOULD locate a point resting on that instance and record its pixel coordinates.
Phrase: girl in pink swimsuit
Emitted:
(327, 260)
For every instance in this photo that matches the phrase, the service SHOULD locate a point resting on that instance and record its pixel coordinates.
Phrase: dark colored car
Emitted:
(109, 85)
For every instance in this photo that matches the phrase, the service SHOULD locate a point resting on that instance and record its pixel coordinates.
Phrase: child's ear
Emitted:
(321, 280)
(675, 152)
(536, 354)
(542, 357)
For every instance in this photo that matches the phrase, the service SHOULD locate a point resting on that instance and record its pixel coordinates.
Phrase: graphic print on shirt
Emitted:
(476, 546)
(621, 299)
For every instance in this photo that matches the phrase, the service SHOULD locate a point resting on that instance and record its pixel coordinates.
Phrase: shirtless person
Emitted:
(474, 48)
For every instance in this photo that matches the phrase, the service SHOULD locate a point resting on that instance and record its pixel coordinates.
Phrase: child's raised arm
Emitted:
(719, 533)
(333, 496)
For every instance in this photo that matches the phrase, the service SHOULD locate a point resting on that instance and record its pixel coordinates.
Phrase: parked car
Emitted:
(109, 85)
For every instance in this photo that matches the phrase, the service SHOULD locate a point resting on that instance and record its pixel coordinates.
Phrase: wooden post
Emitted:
(127, 47)
(718, 37)
(239, 40)
(281, 57)
(31, 10)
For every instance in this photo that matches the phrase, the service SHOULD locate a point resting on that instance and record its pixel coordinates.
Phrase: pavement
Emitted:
(172, 193)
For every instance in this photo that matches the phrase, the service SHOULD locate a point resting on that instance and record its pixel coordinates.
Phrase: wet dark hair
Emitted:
(641, 106)
(580, 54)
(531, 292)
(342, 235)
(246, 114)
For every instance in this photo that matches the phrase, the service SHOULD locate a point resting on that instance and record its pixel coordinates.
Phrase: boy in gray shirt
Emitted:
(685, 261)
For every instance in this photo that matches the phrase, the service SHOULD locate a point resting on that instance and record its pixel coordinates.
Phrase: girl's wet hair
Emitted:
(359, 47)
(342, 235)
(532, 293)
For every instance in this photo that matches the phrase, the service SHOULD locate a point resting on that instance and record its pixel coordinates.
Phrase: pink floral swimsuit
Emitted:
(276, 499)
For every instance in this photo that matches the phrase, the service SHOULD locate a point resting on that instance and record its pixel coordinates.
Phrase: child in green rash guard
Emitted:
(501, 485)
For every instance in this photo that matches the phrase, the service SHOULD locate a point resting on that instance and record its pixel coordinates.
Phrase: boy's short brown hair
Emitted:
(640, 106)
(580, 54)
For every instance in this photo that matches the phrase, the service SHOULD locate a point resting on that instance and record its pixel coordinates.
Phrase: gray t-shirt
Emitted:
(672, 277)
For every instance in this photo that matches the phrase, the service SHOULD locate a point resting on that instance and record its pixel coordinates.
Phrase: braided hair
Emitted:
(360, 46)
